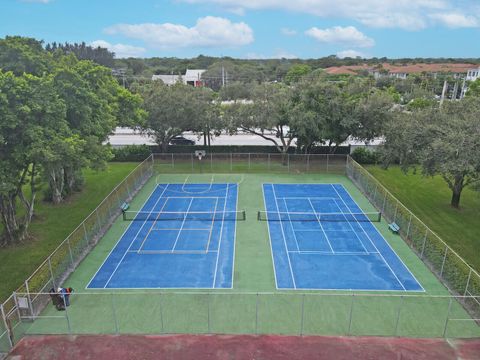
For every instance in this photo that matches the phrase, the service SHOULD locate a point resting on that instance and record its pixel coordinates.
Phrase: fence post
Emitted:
(51, 273)
(173, 162)
(409, 224)
(85, 231)
(308, 162)
(67, 317)
(443, 262)
(268, 161)
(7, 327)
(468, 282)
(30, 305)
(303, 311)
(256, 315)
(288, 162)
(161, 311)
(375, 193)
(446, 320)
(114, 312)
(351, 315)
(398, 316)
(211, 162)
(191, 157)
(231, 162)
(423, 245)
(248, 161)
(208, 313)
(395, 214)
(328, 157)
(70, 251)
(384, 203)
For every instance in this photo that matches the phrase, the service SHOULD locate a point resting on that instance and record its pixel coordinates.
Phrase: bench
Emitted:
(125, 206)
(394, 227)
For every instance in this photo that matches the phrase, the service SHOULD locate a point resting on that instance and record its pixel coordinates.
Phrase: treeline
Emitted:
(55, 113)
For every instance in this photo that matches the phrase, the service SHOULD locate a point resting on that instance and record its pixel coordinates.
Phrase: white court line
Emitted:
(120, 238)
(123, 257)
(356, 253)
(153, 224)
(212, 224)
(183, 223)
(284, 239)
(306, 197)
(220, 239)
(351, 227)
(381, 255)
(321, 226)
(237, 186)
(385, 241)
(165, 229)
(291, 225)
(269, 235)
(170, 252)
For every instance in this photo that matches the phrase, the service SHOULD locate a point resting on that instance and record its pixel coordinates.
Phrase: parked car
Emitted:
(180, 140)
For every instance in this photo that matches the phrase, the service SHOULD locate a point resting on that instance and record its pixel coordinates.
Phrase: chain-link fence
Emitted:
(250, 162)
(292, 313)
(65, 258)
(441, 259)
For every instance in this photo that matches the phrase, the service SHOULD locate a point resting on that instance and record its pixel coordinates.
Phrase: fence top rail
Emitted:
(87, 217)
(350, 159)
(262, 293)
(246, 153)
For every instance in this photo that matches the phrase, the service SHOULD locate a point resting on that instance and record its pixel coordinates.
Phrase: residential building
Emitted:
(191, 77)
(473, 74)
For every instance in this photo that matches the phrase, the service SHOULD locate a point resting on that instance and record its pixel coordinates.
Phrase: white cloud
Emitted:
(348, 36)
(120, 50)
(288, 32)
(455, 20)
(208, 31)
(350, 54)
(405, 14)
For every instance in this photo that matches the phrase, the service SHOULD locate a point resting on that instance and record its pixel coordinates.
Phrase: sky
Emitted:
(253, 29)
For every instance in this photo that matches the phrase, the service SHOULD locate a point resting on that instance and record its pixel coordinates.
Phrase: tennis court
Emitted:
(321, 239)
(182, 237)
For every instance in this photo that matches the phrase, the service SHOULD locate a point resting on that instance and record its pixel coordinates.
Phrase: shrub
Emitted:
(364, 156)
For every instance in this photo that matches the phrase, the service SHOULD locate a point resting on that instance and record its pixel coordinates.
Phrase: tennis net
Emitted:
(184, 215)
(312, 216)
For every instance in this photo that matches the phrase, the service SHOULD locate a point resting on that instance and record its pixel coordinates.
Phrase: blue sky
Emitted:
(254, 28)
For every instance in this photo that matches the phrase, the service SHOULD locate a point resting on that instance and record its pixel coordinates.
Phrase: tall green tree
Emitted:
(443, 142)
(33, 122)
(270, 116)
(173, 110)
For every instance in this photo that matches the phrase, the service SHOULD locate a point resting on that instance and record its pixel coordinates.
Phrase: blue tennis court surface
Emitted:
(183, 237)
(321, 239)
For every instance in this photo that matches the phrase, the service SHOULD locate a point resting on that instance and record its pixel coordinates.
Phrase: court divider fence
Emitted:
(66, 257)
(449, 267)
(29, 311)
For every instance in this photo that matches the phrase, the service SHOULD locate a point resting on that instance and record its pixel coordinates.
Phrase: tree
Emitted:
(270, 115)
(172, 110)
(296, 72)
(24, 55)
(474, 88)
(443, 142)
(82, 51)
(332, 112)
(33, 122)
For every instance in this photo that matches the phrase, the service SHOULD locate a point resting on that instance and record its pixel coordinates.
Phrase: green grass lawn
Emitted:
(54, 223)
(429, 199)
